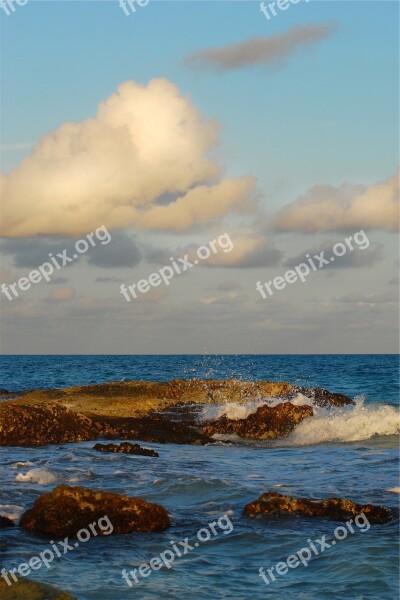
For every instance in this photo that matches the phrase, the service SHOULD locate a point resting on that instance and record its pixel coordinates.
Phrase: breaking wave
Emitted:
(351, 423)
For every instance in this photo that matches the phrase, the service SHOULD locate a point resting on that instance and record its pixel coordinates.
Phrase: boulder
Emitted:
(272, 503)
(126, 448)
(268, 422)
(66, 510)
(5, 522)
(321, 397)
(40, 424)
(24, 589)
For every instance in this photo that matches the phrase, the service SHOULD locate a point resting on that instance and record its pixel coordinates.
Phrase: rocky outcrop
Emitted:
(24, 589)
(126, 448)
(272, 503)
(268, 422)
(5, 522)
(45, 423)
(66, 510)
(321, 397)
(160, 412)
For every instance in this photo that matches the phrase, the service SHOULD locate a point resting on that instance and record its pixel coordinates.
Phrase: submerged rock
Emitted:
(40, 424)
(5, 522)
(66, 510)
(268, 422)
(126, 448)
(272, 503)
(24, 589)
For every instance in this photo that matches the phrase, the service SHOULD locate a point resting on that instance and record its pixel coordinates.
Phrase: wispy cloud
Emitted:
(272, 51)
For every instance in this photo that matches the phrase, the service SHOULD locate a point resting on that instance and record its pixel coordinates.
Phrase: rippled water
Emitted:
(199, 484)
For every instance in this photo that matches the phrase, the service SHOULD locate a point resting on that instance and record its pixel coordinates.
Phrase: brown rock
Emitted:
(41, 424)
(5, 522)
(126, 448)
(65, 510)
(268, 422)
(321, 397)
(338, 509)
(24, 589)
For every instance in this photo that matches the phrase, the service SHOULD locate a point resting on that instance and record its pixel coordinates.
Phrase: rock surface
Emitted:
(126, 448)
(144, 411)
(5, 522)
(24, 589)
(65, 510)
(268, 422)
(40, 424)
(338, 509)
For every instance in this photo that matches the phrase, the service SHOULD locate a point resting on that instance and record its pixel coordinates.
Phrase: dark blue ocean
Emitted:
(350, 452)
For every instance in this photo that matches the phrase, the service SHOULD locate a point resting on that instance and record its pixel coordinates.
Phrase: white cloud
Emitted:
(146, 141)
(343, 209)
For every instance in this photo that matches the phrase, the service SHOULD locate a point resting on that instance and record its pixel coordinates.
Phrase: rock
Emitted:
(5, 522)
(65, 510)
(268, 422)
(126, 448)
(40, 424)
(321, 397)
(24, 589)
(272, 503)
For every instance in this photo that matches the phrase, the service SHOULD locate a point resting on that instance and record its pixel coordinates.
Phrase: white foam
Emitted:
(350, 423)
(12, 511)
(395, 490)
(40, 476)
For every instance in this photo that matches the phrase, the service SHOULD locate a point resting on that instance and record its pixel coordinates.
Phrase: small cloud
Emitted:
(228, 286)
(62, 294)
(343, 209)
(357, 298)
(272, 51)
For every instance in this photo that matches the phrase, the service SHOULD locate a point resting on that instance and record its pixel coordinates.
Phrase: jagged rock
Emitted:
(334, 508)
(24, 589)
(40, 424)
(5, 522)
(321, 397)
(126, 448)
(268, 422)
(65, 510)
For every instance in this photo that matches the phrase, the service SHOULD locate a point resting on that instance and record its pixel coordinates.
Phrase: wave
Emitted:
(351, 423)
(40, 476)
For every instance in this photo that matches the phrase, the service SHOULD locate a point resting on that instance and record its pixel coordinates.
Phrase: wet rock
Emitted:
(321, 397)
(126, 448)
(272, 503)
(154, 429)
(40, 424)
(65, 510)
(268, 422)
(24, 589)
(5, 522)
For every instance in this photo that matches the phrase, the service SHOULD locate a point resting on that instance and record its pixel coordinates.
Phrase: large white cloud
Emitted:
(346, 208)
(147, 144)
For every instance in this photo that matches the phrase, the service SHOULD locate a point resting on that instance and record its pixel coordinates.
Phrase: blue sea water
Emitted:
(350, 452)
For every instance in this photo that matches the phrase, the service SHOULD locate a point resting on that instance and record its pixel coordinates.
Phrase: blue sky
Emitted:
(328, 116)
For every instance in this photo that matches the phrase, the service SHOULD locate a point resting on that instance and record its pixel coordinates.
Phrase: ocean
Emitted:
(349, 452)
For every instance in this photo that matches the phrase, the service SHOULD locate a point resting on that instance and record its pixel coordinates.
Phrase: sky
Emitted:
(187, 122)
